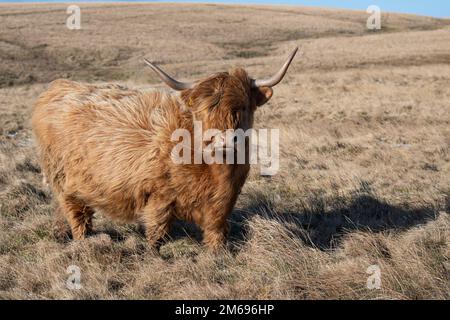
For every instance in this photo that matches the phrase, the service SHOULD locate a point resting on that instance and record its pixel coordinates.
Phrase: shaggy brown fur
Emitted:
(106, 148)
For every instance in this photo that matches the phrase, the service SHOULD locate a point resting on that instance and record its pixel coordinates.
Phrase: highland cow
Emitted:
(106, 148)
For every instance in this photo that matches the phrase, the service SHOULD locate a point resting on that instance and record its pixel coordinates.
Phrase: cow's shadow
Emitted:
(315, 225)
(324, 229)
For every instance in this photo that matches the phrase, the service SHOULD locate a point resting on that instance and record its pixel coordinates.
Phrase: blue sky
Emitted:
(434, 8)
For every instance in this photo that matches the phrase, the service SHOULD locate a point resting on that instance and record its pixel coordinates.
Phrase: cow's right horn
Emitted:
(171, 82)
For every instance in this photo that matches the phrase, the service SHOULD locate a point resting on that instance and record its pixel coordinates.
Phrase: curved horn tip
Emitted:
(295, 50)
(275, 79)
(171, 82)
(291, 56)
(148, 62)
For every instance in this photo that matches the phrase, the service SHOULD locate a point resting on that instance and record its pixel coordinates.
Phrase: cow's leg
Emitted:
(215, 229)
(78, 215)
(61, 229)
(157, 216)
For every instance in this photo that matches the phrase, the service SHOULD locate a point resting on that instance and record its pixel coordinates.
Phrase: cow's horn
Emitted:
(275, 79)
(171, 82)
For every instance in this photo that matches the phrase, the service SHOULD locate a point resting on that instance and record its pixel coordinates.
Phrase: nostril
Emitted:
(218, 140)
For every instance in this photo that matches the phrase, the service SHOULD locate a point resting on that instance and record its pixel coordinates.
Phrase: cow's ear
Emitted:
(262, 95)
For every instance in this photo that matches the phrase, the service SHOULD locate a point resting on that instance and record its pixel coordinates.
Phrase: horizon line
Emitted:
(289, 3)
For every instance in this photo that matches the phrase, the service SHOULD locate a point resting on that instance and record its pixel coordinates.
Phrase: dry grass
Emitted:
(365, 145)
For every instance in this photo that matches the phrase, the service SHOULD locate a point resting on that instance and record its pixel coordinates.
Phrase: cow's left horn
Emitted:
(278, 76)
(171, 82)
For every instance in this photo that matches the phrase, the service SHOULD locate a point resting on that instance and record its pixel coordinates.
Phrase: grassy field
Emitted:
(364, 178)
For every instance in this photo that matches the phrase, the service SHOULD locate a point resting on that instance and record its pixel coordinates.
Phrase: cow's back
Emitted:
(102, 143)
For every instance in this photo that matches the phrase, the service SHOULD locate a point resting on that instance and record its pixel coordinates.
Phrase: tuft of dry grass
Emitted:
(364, 173)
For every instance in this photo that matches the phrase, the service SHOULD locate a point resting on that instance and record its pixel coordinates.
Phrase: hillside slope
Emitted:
(364, 173)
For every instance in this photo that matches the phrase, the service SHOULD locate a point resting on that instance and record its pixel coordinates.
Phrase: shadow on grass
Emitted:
(316, 226)
(322, 228)
(314, 223)
(179, 230)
